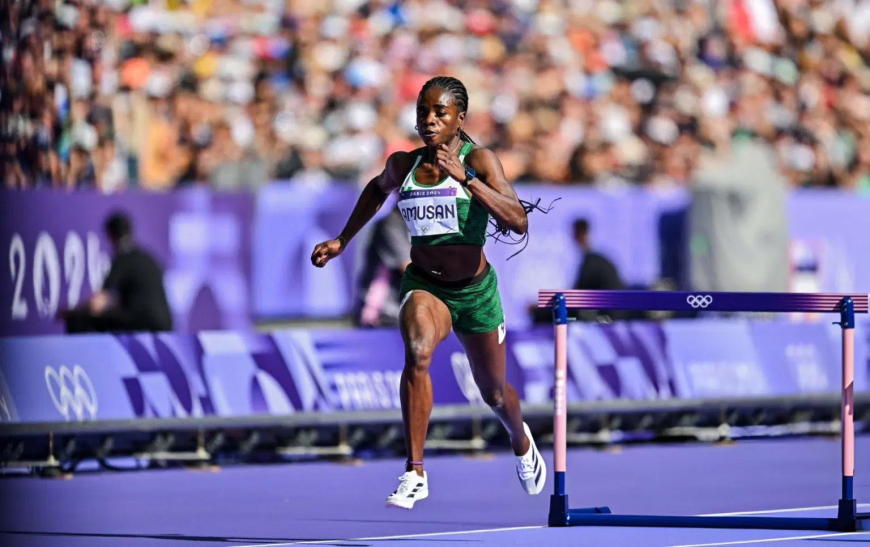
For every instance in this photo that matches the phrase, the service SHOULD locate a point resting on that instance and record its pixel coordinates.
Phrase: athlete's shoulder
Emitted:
(479, 150)
(405, 155)
(401, 160)
(399, 164)
(480, 156)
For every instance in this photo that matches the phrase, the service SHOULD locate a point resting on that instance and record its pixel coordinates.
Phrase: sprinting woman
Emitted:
(448, 190)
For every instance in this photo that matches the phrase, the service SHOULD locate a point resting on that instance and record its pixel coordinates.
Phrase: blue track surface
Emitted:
(332, 504)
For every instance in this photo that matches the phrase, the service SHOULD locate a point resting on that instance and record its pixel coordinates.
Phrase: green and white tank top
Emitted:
(442, 213)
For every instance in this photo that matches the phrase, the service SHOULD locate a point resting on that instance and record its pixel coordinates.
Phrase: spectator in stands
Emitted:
(132, 298)
(598, 92)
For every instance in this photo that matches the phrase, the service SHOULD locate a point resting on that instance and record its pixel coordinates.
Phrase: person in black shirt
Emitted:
(132, 297)
(597, 272)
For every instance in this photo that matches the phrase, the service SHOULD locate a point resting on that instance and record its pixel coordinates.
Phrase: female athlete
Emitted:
(447, 192)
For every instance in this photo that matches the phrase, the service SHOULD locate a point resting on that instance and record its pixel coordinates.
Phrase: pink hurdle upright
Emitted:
(847, 305)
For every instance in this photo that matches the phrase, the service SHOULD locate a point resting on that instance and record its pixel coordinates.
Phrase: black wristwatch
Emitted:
(469, 175)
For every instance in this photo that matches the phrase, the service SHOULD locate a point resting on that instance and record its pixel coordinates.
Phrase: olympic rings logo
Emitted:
(699, 301)
(71, 391)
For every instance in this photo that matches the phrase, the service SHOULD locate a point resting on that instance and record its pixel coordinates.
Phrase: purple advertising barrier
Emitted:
(58, 255)
(803, 357)
(213, 373)
(641, 231)
(712, 360)
(605, 362)
(831, 228)
(364, 368)
(244, 374)
(291, 221)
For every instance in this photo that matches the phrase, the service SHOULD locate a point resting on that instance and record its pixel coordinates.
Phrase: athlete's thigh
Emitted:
(424, 321)
(487, 356)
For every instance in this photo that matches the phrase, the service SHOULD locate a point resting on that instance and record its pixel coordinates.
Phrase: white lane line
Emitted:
(409, 536)
(773, 511)
(462, 532)
(772, 540)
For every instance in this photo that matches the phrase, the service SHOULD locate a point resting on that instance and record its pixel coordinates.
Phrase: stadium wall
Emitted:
(81, 383)
(233, 259)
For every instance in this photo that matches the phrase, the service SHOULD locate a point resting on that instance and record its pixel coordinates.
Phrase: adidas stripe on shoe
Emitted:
(412, 488)
(531, 469)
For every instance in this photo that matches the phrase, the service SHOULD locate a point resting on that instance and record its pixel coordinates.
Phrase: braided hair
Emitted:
(460, 98)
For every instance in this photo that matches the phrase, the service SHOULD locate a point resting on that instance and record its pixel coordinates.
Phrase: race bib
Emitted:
(430, 212)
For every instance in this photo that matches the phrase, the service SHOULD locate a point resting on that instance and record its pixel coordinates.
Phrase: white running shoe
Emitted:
(531, 469)
(412, 488)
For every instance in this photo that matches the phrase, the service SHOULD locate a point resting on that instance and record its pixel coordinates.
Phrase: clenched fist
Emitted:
(326, 251)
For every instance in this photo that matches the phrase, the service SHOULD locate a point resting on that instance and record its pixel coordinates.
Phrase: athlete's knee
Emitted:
(418, 353)
(493, 396)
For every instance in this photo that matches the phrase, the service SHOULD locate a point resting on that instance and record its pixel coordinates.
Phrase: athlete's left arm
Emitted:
(494, 192)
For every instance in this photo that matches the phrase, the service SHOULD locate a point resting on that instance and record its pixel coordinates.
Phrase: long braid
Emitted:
(464, 136)
(460, 97)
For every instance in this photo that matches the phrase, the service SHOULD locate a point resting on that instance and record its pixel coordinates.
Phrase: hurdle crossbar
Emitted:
(847, 305)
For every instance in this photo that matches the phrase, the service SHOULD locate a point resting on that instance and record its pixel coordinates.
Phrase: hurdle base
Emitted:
(586, 517)
(847, 510)
(560, 515)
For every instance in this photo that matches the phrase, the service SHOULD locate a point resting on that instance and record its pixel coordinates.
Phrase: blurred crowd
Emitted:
(114, 94)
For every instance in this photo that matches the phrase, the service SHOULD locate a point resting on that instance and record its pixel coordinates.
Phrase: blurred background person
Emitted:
(386, 255)
(595, 273)
(737, 225)
(132, 297)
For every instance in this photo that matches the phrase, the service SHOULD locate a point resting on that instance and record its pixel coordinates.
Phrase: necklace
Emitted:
(457, 147)
(453, 152)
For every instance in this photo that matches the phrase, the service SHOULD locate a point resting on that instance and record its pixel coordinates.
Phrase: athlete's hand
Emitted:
(326, 251)
(449, 163)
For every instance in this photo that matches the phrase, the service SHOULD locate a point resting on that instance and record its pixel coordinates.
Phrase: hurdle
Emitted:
(847, 305)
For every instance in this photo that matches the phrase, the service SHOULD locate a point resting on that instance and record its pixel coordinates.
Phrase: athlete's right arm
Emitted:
(370, 200)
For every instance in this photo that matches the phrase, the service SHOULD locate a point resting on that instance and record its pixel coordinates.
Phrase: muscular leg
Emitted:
(425, 322)
(488, 363)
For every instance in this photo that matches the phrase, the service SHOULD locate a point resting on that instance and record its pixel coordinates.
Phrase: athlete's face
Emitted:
(438, 117)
